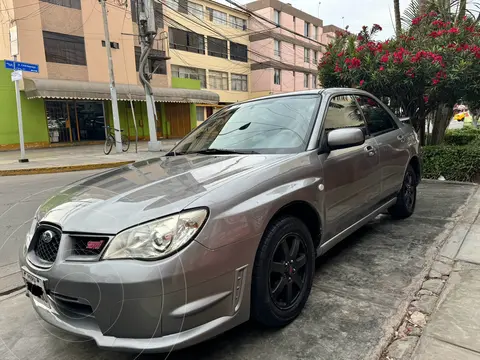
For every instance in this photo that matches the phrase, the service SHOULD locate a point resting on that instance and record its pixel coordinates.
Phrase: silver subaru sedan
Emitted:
(171, 251)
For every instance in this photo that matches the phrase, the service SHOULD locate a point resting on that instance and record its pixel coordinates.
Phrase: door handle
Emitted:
(370, 150)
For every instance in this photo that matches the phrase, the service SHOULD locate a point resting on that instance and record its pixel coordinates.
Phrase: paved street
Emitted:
(361, 291)
(20, 196)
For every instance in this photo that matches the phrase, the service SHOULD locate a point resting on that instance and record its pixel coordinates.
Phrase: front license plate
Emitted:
(35, 286)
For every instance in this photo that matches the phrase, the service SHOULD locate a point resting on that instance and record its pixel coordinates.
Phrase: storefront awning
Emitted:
(66, 89)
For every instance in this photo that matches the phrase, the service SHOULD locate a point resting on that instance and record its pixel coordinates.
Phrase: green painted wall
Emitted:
(180, 83)
(33, 114)
(193, 116)
(163, 116)
(126, 117)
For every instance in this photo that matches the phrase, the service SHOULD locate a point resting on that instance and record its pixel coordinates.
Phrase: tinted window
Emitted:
(217, 47)
(74, 4)
(238, 52)
(64, 49)
(342, 113)
(186, 40)
(378, 119)
(270, 126)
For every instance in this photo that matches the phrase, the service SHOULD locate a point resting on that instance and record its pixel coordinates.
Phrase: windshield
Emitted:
(270, 126)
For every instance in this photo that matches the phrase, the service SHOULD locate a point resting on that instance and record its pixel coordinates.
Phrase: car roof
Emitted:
(326, 91)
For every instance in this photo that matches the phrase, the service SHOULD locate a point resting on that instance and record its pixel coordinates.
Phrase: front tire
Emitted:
(107, 147)
(125, 143)
(407, 198)
(283, 272)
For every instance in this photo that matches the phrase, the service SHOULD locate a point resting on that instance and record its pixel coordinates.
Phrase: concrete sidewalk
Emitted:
(443, 322)
(73, 158)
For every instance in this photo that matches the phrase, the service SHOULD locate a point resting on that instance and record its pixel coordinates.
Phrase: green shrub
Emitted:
(464, 136)
(459, 163)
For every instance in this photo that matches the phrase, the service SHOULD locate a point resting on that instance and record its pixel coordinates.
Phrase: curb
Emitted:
(60, 169)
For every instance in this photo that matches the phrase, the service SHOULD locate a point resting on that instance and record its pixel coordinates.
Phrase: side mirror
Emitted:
(345, 138)
(405, 120)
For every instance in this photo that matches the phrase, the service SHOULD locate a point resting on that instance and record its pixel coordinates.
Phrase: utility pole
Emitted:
(147, 30)
(113, 89)
(18, 74)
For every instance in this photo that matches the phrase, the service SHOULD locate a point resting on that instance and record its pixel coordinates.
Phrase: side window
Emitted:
(378, 119)
(343, 112)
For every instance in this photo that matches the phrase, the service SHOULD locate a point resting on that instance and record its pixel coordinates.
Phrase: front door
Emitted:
(351, 175)
(178, 118)
(390, 140)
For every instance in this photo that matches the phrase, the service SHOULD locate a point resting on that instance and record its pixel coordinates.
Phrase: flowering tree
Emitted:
(424, 71)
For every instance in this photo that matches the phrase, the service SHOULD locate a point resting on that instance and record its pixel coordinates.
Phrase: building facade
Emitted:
(208, 43)
(68, 101)
(285, 57)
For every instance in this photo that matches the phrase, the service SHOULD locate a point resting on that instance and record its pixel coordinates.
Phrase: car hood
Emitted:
(118, 199)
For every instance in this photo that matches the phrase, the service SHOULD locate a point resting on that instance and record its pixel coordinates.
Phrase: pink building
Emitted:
(281, 60)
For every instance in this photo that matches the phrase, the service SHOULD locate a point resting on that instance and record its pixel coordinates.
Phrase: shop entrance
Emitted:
(73, 121)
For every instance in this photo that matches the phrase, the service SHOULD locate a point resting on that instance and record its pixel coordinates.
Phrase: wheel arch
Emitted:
(305, 212)
(417, 167)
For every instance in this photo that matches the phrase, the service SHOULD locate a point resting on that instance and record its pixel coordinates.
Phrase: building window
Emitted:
(217, 47)
(238, 23)
(200, 113)
(306, 55)
(306, 29)
(239, 82)
(315, 57)
(276, 77)
(238, 52)
(217, 80)
(315, 32)
(217, 17)
(74, 4)
(276, 50)
(195, 10)
(64, 49)
(157, 63)
(183, 72)
(276, 17)
(314, 81)
(177, 5)
(305, 80)
(186, 41)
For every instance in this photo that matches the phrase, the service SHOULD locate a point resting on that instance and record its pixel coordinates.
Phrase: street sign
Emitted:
(17, 65)
(16, 75)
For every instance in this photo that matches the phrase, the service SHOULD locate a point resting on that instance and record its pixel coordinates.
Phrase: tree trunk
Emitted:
(462, 9)
(442, 119)
(398, 21)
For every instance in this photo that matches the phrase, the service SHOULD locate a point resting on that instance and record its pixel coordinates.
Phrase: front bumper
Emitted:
(148, 306)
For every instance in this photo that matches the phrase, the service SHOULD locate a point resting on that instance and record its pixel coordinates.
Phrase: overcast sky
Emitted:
(355, 13)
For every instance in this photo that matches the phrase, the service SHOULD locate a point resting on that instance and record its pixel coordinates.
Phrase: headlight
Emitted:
(31, 232)
(156, 239)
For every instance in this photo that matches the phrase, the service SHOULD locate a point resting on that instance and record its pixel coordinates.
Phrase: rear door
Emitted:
(351, 175)
(390, 140)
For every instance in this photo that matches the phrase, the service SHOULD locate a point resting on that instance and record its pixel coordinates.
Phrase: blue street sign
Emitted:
(17, 65)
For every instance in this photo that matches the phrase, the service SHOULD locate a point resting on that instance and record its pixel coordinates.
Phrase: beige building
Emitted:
(209, 43)
(66, 39)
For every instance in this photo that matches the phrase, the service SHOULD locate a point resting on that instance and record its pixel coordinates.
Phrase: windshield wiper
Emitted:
(222, 151)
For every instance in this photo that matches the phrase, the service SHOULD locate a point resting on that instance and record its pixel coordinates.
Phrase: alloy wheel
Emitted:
(409, 191)
(287, 271)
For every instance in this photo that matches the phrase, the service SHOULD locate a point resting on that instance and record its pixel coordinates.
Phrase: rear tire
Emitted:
(407, 198)
(125, 143)
(108, 144)
(283, 272)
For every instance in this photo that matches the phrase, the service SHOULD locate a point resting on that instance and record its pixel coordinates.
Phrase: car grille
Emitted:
(87, 245)
(47, 241)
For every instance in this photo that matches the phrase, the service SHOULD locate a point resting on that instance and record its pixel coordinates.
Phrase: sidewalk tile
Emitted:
(432, 349)
(455, 240)
(457, 319)
(470, 250)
